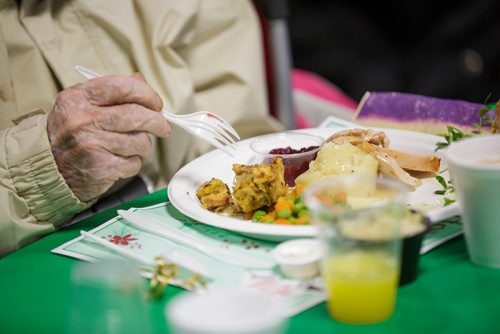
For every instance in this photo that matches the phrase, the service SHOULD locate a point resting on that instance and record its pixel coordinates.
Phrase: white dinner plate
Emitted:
(216, 164)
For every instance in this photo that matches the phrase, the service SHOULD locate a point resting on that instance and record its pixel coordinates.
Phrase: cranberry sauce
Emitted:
(294, 166)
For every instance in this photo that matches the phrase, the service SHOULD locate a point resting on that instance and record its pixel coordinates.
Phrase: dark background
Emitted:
(447, 49)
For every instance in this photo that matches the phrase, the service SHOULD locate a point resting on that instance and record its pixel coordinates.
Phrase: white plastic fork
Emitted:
(206, 125)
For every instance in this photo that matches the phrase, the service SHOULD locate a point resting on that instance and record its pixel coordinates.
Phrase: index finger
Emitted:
(117, 89)
(131, 118)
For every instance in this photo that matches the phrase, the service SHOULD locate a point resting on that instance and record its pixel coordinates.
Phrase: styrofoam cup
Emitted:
(475, 171)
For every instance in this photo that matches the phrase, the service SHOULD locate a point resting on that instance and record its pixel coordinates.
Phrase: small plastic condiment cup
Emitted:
(299, 258)
(294, 163)
(415, 226)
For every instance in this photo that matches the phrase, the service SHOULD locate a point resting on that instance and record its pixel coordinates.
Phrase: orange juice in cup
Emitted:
(361, 239)
(362, 286)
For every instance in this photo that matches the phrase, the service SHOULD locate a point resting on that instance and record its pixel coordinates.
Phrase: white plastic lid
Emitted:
(225, 311)
(297, 252)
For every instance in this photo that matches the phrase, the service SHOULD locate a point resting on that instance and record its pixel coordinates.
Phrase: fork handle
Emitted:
(87, 74)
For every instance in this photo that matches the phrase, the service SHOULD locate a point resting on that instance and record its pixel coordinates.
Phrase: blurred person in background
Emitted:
(447, 49)
(67, 147)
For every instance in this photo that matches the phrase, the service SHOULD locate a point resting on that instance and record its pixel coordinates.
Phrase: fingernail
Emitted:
(161, 101)
(138, 75)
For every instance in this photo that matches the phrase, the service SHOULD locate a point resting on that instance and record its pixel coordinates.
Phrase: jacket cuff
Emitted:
(34, 173)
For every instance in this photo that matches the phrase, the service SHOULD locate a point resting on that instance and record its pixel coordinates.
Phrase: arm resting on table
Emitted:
(34, 199)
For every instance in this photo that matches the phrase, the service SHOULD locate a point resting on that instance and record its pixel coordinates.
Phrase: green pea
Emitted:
(257, 215)
(304, 212)
(307, 222)
(284, 213)
(297, 207)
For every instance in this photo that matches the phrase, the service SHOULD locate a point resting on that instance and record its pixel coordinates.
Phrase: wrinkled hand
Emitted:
(99, 130)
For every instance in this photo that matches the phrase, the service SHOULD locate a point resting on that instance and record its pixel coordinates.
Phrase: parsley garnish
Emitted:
(447, 189)
(453, 134)
(484, 119)
(448, 201)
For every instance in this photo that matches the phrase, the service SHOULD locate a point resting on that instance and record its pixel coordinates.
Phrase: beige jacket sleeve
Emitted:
(197, 54)
(34, 198)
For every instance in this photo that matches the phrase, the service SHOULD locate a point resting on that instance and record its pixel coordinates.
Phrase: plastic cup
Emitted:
(415, 226)
(225, 312)
(107, 297)
(362, 245)
(475, 171)
(294, 164)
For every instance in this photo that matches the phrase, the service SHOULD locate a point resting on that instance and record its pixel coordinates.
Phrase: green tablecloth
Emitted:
(451, 295)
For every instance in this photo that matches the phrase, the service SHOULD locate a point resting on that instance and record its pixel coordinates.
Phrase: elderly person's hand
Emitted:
(98, 131)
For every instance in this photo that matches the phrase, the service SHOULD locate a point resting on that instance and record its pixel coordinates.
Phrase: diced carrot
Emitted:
(337, 198)
(266, 218)
(341, 196)
(299, 188)
(283, 203)
(282, 221)
(304, 220)
(248, 215)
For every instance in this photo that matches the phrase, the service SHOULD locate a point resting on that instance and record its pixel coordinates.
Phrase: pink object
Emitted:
(301, 121)
(317, 86)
